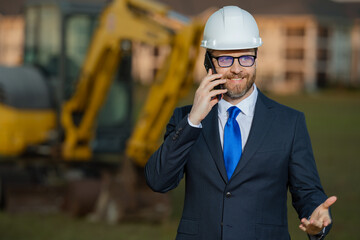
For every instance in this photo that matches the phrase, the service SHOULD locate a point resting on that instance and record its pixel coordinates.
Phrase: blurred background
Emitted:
(87, 87)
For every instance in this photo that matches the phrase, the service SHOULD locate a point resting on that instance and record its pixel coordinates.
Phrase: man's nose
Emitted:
(236, 67)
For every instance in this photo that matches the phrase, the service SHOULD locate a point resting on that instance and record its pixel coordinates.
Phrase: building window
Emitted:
(322, 54)
(321, 80)
(294, 76)
(323, 32)
(295, 54)
(295, 31)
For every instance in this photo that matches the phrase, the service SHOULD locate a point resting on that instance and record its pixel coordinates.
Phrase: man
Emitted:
(239, 152)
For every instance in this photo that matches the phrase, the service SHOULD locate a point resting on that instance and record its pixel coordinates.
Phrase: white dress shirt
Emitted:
(244, 119)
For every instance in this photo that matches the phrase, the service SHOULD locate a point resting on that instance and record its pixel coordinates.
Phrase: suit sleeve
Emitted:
(165, 168)
(304, 182)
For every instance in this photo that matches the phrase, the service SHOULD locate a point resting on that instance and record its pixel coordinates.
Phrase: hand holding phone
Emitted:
(208, 63)
(202, 104)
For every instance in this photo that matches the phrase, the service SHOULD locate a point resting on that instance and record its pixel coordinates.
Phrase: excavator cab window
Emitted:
(79, 29)
(43, 39)
(46, 44)
(58, 35)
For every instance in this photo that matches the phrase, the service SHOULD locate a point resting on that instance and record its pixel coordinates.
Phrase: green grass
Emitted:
(333, 119)
(62, 227)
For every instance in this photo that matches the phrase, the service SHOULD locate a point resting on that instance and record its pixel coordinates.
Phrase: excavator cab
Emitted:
(57, 38)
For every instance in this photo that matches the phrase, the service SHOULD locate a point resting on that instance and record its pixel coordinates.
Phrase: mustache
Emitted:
(232, 76)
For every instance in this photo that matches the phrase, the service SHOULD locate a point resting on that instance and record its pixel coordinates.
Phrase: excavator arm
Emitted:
(124, 20)
(172, 83)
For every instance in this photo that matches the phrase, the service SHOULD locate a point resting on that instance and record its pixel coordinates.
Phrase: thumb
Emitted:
(330, 201)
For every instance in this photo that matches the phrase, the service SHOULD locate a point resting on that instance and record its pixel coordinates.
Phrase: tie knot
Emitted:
(233, 112)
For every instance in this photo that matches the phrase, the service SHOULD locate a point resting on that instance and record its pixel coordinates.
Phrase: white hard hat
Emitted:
(231, 28)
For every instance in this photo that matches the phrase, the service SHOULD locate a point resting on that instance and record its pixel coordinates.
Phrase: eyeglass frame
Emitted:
(238, 58)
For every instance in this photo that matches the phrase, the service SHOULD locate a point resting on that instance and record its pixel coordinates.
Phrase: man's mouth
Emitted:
(237, 79)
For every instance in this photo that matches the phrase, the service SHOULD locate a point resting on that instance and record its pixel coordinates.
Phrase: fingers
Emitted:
(302, 227)
(214, 93)
(320, 218)
(205, 97)
(330, 201)
(209, 78)
(316, 224)
(326, 221)
(304, 223)
(208, 85)
(214, 83)
(214, 101)
(311, 227)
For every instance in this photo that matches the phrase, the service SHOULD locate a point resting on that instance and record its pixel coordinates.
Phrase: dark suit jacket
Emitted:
(252, 204)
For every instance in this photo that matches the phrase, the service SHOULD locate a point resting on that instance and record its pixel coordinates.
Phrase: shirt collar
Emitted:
(247, 106)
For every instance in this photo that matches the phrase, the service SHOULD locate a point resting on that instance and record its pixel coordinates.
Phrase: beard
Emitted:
(239, 91)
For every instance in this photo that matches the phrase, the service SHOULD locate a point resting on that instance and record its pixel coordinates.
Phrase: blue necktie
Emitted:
(232, 141)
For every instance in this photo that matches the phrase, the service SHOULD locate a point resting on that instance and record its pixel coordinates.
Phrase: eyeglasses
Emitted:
(228, 61)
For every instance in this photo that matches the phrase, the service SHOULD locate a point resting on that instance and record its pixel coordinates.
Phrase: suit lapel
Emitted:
(212, 138)
(263, 118)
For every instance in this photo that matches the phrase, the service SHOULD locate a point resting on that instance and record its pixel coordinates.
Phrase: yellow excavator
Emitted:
(46, 108)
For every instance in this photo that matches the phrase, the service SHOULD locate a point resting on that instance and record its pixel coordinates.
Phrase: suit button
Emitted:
(228, 194)
(178, 131)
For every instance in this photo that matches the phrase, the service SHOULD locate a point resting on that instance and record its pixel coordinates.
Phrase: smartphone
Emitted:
(208, 63)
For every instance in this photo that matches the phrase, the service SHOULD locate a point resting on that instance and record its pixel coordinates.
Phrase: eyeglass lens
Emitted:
(227, 61)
